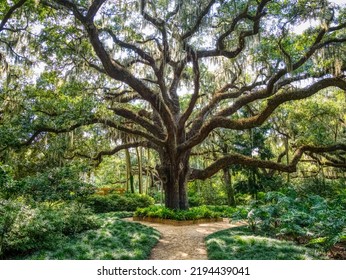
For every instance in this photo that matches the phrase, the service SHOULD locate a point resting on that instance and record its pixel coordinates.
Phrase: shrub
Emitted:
(8, 213)
(56, 184)
(243, 199)
(223, 210)
(7, 184)
(74, 217)
(206, 193)
(322, 187)
(161, 212)
(195, 199)
(305, 219)
(114, 240)
(115, 202)
(26, 228)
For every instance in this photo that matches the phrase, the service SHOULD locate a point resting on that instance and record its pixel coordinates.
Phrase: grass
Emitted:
(241, 244)
(114, 240)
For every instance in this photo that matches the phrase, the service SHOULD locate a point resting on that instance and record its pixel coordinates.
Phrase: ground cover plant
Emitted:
(63, 226)
(114, 240)
(306, 219)
(162, 212)
(242, 244)
(27, 227)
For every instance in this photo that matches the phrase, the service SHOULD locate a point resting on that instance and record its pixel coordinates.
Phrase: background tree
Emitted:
(167, 73)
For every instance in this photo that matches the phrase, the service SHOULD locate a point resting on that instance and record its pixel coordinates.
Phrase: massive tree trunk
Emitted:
(173, 171)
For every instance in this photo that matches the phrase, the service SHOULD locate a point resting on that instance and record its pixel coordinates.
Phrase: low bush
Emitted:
(195, 199)
(56, 184)
(161, 212)
(116, 202)
(326, 188)
(308, 219)
(114, 240)
(223, 210)
(206, 193)
(25, 228)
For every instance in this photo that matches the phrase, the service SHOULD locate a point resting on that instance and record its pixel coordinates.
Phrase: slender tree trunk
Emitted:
(140, 177)
(287, 158)
(148, 173)
(1, 245)
(229, 187)
(129, 175)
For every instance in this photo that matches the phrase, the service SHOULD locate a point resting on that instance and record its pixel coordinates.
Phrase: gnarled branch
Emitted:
(236, 158)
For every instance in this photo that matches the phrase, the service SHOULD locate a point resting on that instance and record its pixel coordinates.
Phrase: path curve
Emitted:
(183, 242)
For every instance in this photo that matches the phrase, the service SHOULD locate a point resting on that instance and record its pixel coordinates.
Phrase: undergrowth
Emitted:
(161, 212)
(114, 240)
(241, 244)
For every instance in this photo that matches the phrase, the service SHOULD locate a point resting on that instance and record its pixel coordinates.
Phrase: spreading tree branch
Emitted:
(260, 118)
(10, 12)
(236, 158)
(198, 22)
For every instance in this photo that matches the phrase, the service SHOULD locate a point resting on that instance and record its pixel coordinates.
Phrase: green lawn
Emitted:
(241, 244)
(114, 240)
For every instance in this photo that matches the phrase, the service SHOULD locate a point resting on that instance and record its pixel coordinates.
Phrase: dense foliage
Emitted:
(55, 184)
(25, 228)
(162, 212)
(307, 219)
(179, 90)
(199, 102)
(115, 202)
(241, 244)
(51, 215)
(113, 240)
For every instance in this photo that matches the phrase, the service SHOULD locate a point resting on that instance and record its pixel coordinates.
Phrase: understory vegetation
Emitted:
(291, 223)
(306, 219)
(27, 227)
(116, 202)
(40, 226)
(194, 213)
(176, 110)
(113, 240)
(73, 221)
(241, 243)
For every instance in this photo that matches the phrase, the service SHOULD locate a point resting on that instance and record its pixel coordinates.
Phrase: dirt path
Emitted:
(183, 242)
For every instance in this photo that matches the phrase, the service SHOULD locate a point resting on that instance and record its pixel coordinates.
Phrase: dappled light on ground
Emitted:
(241, 244)
(184, 242)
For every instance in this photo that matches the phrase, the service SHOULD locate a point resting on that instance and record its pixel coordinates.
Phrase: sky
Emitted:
(338, 1)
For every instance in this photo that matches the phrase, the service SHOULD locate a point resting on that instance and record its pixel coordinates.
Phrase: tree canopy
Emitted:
(87, 79)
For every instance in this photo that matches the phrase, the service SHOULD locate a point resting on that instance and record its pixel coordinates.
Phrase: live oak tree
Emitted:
(165, 74)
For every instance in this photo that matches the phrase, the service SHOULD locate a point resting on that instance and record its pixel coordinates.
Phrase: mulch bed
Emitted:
(338, 251)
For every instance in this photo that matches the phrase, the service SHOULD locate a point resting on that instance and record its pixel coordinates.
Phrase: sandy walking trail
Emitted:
(183, 242)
